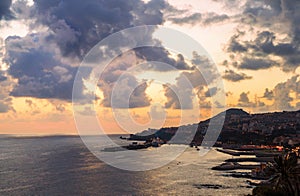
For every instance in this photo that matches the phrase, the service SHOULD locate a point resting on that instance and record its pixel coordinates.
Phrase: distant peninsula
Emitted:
(239, 128)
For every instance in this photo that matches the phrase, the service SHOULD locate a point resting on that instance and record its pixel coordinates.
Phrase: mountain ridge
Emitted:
(238, 127)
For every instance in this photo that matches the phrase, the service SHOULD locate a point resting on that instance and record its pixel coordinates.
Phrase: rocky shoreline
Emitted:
(261, 156)
(261, 175)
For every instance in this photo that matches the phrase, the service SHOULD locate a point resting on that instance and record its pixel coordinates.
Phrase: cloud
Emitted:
(256, 63)
(185, 17)
(204, 19)
(192, 83)
(2, 76)
(5, 99)
(3, 107)
(114, 76)
(181, 94)
(268, 94)
(157, 112)
(211, 92)
(60, 107)
(284, 96)
(178, 98)
(38, 68)
(219, 105)
(244, 101)
(160, 54)
(126, 92)
(22, 9)
(282, 93)
(229, 93)
(191, 19)
(275, 27)
(87, 111)
(139, 98)
(233, 76)
(214, 18)
(235, 45)
(230, 4)
(206, 68)
(76, 31)
(5, 11)
(118, 78)
(150, 13)
(244, 97)
(30, 103)
(45, 62)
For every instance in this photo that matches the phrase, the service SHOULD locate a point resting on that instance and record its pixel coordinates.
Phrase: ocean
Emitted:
(62, 165)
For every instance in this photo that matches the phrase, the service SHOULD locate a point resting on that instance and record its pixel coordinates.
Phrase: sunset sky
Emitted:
(254, 45)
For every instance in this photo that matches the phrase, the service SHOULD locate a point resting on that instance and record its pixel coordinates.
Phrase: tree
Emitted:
(285, 173)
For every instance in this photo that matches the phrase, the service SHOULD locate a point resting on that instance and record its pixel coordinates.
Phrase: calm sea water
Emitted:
(64, 166)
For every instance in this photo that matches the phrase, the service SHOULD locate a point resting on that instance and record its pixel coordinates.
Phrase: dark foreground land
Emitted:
(278, 172)
(271, 140)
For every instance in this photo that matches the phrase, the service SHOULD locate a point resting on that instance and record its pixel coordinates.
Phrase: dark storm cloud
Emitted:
(150, 13)
(211, 92)
(192, 19)
(276, 26)
(162, 55)
(254, 55)
(5, 12)
(2, 77)
(198, 18)
(233, 76)
(43, 62)
(78, 25)
(234, 44)
(265, 42)
(39, 73)
(256, 63)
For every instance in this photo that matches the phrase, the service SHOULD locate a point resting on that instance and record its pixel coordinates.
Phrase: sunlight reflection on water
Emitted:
(63, 165)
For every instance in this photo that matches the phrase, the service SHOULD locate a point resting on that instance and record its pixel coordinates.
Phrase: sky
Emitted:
(252, 47)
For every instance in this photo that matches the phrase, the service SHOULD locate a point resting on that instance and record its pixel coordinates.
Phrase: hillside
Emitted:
(239, 127)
